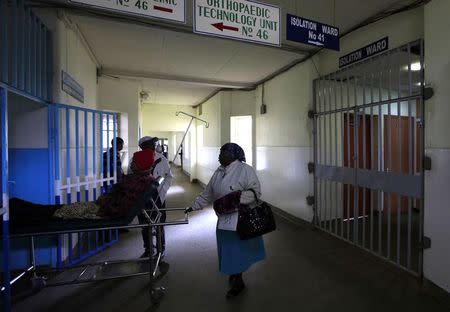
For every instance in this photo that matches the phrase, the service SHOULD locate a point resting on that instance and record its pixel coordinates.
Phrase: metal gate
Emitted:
(79, 139)
(368, 151)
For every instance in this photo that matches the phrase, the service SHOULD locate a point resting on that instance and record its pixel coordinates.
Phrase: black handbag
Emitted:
(256, 221)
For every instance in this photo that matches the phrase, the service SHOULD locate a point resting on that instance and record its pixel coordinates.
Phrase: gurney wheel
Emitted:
(163, 268)
(157, 294)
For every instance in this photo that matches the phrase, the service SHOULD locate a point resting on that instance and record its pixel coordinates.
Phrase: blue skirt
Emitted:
(236, 255)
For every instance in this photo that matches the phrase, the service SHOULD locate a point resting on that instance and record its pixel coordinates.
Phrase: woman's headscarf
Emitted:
(142, 160)
(235, 151)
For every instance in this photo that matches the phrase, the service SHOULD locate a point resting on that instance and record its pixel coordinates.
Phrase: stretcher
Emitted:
(153, 266)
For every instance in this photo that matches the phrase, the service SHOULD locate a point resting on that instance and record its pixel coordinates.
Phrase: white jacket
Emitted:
(162, 169)
(238, 176)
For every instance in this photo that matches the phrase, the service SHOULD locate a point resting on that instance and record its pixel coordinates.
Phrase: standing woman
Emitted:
(235, 255)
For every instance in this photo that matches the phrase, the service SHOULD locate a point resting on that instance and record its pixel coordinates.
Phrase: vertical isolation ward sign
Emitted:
(173, 10)
(238, 19)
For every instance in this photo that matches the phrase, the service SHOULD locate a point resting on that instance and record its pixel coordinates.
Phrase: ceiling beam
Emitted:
(111, 72)
(104, 13)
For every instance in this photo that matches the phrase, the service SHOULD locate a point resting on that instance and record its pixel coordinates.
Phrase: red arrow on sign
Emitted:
(220, 26)
(160, 8)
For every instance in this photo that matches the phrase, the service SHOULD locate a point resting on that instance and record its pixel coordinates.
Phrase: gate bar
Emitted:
(349, 160)
(389, 165)
(5, 200)
(399, 160)
(336, 188)
(364, 162)
(380, 160)
(330, 183)
(327, 157)
(319, 152)
(355, 164)
(372, 165)
(412, 149)
(315, 99)
(342, 151)
(86, 156)
(383, 102)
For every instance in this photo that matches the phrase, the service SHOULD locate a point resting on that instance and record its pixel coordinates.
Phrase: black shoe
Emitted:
(236, 289)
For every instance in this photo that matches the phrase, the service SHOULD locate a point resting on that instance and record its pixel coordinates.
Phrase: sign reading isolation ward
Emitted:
(310, 32)
(365, 52)
(173, 10)
(238, 19)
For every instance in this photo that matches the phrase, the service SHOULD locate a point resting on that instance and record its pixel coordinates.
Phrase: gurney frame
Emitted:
(154, 261)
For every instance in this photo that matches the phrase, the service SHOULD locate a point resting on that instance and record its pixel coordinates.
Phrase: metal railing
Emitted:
(368, 151)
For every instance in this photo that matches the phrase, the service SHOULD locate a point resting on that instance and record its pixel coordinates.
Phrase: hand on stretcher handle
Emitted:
(185, 210)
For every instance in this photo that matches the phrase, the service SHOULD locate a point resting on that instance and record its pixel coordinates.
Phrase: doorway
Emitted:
(397, 153)
(241, 129)
(363, 126)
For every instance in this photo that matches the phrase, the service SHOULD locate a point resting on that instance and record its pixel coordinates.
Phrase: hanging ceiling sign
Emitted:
(310, 32)
(366, 52)
(238, 19)
(173, 10)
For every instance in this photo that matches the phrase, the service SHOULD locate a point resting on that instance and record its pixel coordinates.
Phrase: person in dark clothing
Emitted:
(160, 168)
(119, 147)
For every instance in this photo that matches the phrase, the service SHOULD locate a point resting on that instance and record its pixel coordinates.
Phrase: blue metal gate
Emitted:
(77, 140)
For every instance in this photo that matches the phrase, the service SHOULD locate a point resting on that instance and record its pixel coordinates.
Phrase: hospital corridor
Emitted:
(224, 155)
(323, 270)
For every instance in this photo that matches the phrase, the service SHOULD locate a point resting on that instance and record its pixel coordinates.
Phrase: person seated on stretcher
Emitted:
(114, 204)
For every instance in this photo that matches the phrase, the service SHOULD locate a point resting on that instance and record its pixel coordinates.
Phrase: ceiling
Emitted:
(181, 68)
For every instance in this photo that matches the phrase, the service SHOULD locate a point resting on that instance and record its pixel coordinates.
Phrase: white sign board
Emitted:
(173, 10)
(238, 19)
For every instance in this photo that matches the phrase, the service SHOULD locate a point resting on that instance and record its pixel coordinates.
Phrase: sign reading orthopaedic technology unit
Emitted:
(165, 9)
(238, 19)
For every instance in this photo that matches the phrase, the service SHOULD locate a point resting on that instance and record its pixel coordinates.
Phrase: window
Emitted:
(241, 133)
(108, 129)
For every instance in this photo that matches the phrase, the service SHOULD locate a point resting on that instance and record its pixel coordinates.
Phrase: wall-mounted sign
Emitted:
(363, 53)
(238, 19)
(72, 87)
(173, 10)
(310, 32)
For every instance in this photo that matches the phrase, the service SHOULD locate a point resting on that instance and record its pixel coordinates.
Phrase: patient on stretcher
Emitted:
(115, 204)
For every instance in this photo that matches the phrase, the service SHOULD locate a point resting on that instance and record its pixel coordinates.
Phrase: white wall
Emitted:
(284, 140)
(71, 55)
(162, 118)
(437, 143)
(217, 111)
(122, 95)
(209, 139)
(237, 103)
(22, 113)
